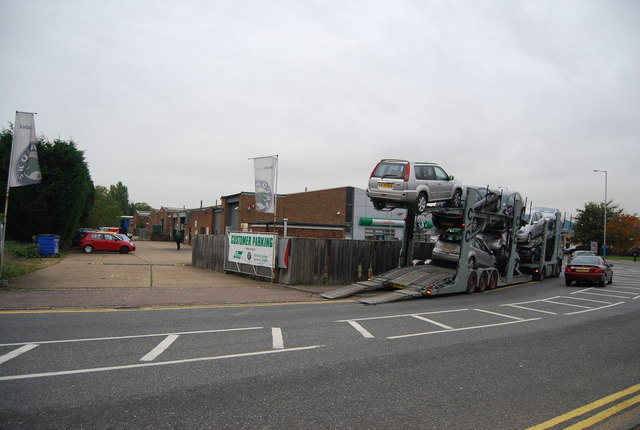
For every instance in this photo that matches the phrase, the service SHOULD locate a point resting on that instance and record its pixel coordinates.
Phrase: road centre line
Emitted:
(278, 341)
(160, 348)
(13, 354)
(132, 336)
(587, 408)
(462, 329)
(156, 364)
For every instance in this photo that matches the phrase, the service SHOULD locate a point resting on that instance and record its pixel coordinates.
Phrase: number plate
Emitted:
(387, 186)
(582, 270)
(450, 248)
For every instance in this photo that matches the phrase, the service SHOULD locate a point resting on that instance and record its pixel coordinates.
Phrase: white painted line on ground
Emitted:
(278, 341)
(404, 315)
(595, 309)
(158, 363)
(132, 336)
(17, 352)
(499, 314)
(360, 329)
(586, 300)
(432, 322)
(532, 309)
(568, 304)
(461, 329)
(607, 295)
(162, 346)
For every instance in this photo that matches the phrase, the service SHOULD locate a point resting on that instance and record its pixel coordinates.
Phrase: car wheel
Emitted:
(124, 250)
(420, 204)
(379, 205)
(471, 282)
(482, 282)
(567, 282)
(456, 200)
(603, 283)
(610, 280)
(88, 249)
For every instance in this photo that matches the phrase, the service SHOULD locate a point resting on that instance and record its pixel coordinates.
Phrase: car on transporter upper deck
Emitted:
(407, 184)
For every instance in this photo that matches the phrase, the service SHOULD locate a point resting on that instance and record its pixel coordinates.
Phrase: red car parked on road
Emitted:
(104, 241)
(590, 269)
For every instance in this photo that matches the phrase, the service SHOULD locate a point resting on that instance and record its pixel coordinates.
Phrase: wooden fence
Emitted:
(318, 261)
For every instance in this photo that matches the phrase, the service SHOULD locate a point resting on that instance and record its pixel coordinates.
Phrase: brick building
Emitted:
(330, 213)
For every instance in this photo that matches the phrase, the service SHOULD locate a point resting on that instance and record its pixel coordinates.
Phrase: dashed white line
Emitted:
(461, 329)
(162, 346)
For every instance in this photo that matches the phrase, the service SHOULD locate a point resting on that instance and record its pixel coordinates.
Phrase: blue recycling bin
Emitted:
(49, 244)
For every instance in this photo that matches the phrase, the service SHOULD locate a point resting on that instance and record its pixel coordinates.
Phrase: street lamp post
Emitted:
(604, 245)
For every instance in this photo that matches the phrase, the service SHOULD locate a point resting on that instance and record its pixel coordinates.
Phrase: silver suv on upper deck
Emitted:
(407, 184)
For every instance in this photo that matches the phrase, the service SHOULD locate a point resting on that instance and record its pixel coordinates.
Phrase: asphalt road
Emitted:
(511, 358)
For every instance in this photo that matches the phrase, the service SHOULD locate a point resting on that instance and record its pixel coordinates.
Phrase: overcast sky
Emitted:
(173, 98)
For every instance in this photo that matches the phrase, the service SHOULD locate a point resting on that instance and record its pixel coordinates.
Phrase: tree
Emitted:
(120, 194)
(56, 205)
(105, 211)
(140, 206)
(589, 222)
(623, 232)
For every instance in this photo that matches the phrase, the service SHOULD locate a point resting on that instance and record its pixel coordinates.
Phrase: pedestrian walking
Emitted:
(178, 237)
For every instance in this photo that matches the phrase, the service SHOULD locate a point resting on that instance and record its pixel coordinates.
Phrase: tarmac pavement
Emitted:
(156, 275)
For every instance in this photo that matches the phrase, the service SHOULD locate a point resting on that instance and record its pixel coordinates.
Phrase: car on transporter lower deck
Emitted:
(406, 184)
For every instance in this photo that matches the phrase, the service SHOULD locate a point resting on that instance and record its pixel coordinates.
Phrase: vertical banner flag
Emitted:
(24, 168)
(265, 175)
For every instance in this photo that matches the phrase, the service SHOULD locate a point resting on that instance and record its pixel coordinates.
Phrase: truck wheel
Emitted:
(471, 282)
(456, 199)
(482, 282)
(420, 205)
(493, 280)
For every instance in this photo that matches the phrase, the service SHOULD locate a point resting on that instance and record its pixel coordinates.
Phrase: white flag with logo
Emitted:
(24, 168)
(265, 176)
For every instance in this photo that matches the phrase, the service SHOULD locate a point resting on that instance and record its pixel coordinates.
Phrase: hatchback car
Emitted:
(447, 249)
(533, 228)
(591, 269)
(104, 241)
(549, 213)
(407, 184)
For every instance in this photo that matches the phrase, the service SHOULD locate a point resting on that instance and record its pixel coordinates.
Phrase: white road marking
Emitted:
(360, 329)
(132, 336)
(278, 341)
(433, 322)
(17, 352)
(405, 315)
(162, 346)
(158, 363)
(595, 309)
(462, 329)
(499, 314)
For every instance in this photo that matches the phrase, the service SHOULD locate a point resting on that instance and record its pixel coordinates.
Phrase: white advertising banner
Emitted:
(24, 168)
(256, 249)
(265, 178)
